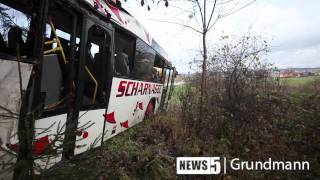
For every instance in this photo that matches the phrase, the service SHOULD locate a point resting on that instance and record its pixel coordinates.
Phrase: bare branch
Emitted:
(176, 23)
(195, 17)
(244, 6)
(8, 110)
(8, 116)
(199, 26)
(204, 15)
(212, 12)
(8, 151)
(46, 130)
(224, 2)
(214, 22)
(184, 10)
(199, 6)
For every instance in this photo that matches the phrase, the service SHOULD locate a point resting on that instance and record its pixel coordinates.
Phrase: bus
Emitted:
(75, 73)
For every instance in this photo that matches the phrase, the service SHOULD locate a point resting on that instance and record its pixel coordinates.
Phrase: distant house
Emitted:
(297, 73)
(288, 73)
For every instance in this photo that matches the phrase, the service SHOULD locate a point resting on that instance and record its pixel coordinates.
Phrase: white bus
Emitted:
(74, 73)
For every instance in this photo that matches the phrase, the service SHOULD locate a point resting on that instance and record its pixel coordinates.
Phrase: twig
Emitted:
(19, 70)
(8, 110)
(176, 23)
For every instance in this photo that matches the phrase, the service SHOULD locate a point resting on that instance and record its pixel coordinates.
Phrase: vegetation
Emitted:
(281, 127)
(247, 115)
(301, 85)
(243, 113)
(205, 15)
(299, 81)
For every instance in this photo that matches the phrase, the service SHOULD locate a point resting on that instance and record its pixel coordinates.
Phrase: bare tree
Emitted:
(206, 14)
(237, 62)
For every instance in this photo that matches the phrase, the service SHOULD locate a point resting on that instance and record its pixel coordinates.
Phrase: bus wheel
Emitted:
(150, 109)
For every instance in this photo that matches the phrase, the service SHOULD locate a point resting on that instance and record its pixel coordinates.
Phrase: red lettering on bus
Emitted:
(128, 87)
(122, 88)
(134, 88)
(131, 88)
(140, 88)
(145, 88)
(153, 88)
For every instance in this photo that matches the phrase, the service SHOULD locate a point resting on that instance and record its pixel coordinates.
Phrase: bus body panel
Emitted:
(49, 132)
(126, 108)
(90, 127)
(10, 99)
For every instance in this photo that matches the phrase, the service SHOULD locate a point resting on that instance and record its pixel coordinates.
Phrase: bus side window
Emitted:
(157, 69)
(122, 63)
(54, 70)
(166, 79)
(51, 82)
(15, 29)
(124, 54)
(97, 57)
(144, 61)
(56, 62)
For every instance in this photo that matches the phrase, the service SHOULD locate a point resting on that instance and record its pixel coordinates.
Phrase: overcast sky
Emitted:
(292, 28)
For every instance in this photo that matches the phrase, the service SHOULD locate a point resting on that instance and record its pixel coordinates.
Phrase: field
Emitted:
(299, 81)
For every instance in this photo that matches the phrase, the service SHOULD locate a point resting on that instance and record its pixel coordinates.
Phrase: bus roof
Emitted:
(128, 22)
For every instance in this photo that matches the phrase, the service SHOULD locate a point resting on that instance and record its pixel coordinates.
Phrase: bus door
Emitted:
(166, 87)
(95, 73)
(170, 92)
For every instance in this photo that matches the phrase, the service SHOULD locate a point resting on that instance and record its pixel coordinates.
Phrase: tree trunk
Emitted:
(31, 100)
(203, 77)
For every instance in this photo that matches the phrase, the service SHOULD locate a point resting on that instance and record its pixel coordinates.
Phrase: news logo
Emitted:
(198, 165)
(217, 165)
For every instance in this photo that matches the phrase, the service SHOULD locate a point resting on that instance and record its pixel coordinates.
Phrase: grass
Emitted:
(145, 151)
(178, 91)
(289, 131)
(138, 153)
(299, 81)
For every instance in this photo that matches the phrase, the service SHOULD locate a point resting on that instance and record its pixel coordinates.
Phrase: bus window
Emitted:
(14, 29)
(56, 61)
(124, 54)
(144, 61)
(54, 71)
(97, 57)
(52, 83)
(157, 69)
(166, 76)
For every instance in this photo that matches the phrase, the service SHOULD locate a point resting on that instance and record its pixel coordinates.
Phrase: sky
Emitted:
(291, 28)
